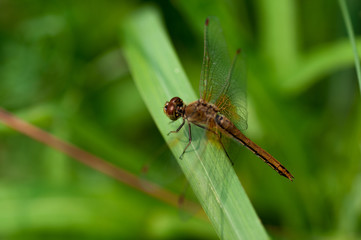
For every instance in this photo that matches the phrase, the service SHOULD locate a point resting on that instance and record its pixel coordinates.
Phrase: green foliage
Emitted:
(61, 69)
(351, 35)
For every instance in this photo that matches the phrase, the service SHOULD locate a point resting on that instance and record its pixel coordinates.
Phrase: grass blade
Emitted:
(351, 35)
(316, 64)
(159, 76)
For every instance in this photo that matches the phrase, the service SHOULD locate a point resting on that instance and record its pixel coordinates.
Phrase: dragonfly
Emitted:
(222, 107)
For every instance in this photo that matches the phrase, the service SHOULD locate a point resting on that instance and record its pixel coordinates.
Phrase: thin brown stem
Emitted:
(93, 161)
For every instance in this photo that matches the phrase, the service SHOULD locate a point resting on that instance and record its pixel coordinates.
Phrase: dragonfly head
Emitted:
(174, 109)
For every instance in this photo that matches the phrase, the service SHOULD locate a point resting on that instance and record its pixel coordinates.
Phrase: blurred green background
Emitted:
(62, 69)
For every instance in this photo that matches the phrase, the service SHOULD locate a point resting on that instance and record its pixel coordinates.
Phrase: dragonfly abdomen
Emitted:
(231, 130)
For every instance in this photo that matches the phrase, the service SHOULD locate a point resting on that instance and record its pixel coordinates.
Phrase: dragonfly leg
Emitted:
(224, 149)
(179, 128)
(190, 140)
(219, 135)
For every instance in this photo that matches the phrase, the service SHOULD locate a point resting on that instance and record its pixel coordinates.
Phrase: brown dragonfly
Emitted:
(222, 107)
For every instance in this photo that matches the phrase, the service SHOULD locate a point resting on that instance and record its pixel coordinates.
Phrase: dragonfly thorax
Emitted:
(174, 109)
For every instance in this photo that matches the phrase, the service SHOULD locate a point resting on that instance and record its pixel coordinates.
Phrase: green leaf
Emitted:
(278, 27)
(317, 64)
(159, 76)
(352, 38)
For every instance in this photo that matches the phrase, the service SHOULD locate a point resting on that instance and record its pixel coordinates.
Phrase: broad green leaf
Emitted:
(159, 76)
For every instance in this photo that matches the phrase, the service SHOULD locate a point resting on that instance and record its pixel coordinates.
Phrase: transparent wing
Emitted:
(216, 61)
(223, 82)
(232, 100)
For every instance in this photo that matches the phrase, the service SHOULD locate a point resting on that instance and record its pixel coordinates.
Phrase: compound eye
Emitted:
(175, 99)
(172, 107)
(170, 111)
